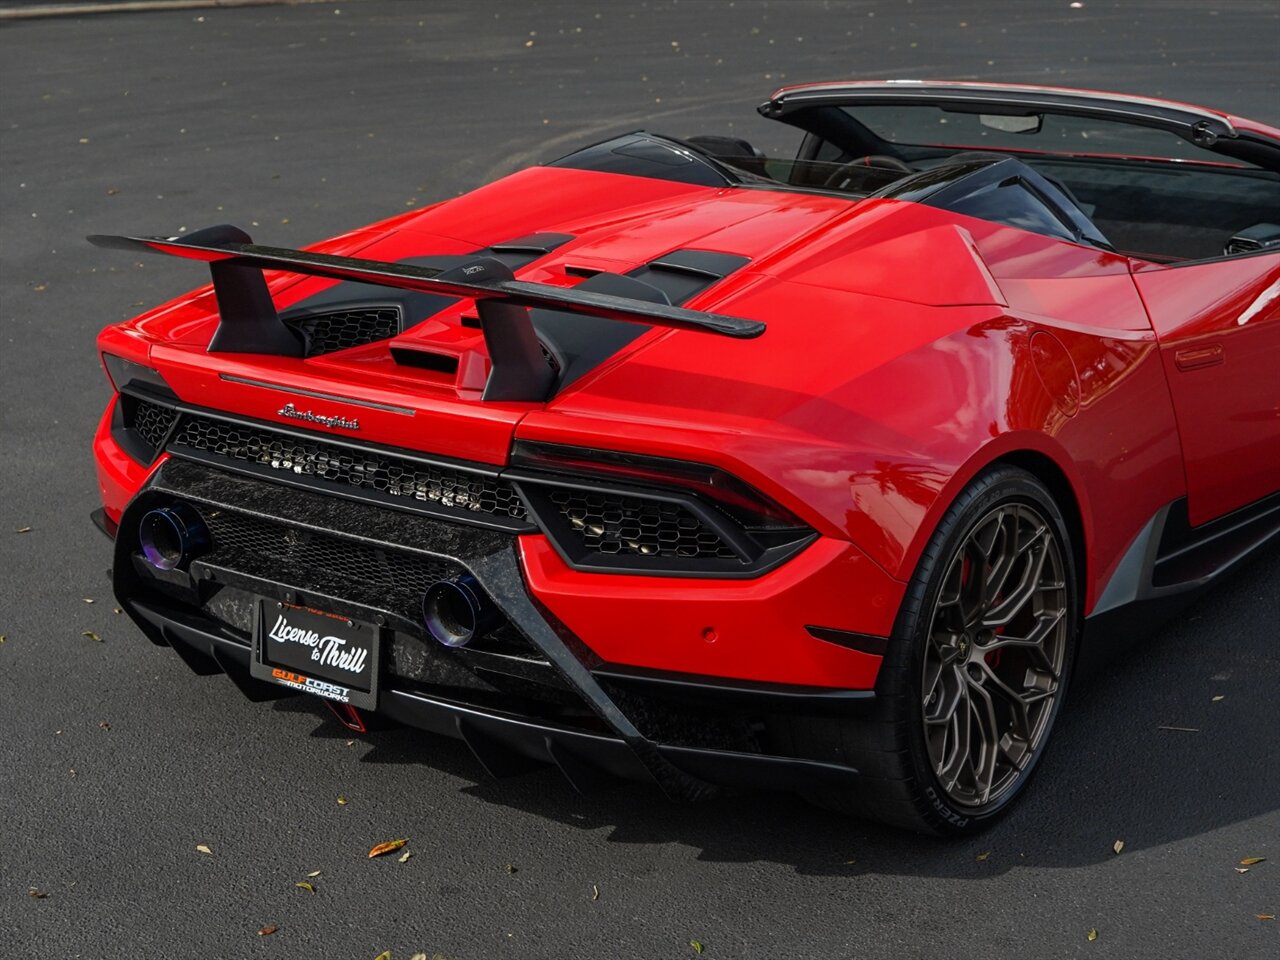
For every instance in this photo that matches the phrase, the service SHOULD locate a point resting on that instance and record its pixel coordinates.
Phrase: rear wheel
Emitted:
(976, 670)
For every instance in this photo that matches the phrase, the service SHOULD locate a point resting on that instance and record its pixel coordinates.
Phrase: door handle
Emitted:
(1193, 358)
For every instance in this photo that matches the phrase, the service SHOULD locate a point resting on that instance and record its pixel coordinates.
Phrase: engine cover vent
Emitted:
(335, 330)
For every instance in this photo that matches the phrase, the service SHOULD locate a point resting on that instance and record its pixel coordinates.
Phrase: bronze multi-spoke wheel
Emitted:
(993, 660)
(976, 669)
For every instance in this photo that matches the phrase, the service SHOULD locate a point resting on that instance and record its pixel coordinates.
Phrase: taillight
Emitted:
(622, 512)
(723, 489)
(122, 373)
(144, 411)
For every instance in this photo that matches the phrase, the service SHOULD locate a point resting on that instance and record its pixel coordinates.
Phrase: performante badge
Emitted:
(333, 423)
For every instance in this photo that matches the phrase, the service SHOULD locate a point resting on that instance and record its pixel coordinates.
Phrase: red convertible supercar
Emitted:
(674, 460)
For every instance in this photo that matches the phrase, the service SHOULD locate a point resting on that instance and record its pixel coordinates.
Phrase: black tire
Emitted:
(901, 753)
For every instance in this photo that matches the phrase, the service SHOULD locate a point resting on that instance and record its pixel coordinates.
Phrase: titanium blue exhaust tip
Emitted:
(171, 537)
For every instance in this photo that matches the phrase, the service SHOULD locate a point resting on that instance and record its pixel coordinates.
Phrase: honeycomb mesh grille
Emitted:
(331, 556)
(363, 573)
(467, 493)
(329, 332)
(151, 421)
(617, 524)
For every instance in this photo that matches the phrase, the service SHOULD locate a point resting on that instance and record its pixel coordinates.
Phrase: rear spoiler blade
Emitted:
(480, 284)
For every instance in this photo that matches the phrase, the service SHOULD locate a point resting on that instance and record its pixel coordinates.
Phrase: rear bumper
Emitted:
(750, 629)
(506, 744)
(536, 695)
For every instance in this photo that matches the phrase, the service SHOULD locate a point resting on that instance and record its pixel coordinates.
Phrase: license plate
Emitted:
(317, 652)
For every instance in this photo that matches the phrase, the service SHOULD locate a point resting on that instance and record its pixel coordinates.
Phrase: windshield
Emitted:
(925, 125)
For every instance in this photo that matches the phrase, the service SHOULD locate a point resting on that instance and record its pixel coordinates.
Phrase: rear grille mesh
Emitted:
(386, 577)
(592, 526)
(341, 329)
(336, 557)
(611, 523)
(393, 476)
(151, 421)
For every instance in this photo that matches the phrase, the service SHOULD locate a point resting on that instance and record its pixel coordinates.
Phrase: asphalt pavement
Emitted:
(298, 122)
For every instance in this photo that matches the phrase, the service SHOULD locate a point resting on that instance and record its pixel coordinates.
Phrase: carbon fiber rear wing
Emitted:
(249, 323)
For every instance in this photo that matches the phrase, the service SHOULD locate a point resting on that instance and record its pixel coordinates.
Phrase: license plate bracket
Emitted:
(316, 652)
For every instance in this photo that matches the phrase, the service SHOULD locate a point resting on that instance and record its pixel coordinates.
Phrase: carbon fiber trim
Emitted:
(489, 556)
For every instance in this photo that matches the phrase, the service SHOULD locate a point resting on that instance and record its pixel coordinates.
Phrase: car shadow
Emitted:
(1171, 740)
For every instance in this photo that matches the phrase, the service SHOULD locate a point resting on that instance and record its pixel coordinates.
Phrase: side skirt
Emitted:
(1168, 565)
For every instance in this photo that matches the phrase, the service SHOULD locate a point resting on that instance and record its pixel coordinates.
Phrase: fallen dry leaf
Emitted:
(342, 801)
(387, 847)
(116, 610)
(1118, 846)
(511, 868)
(404, 857)
(982, 856)
(2, 638)
(1242, 869)
(1250, 861)
(36, 893)
(104, 725)
(23, 530)
(267, 931)
(697, 946)
(1265, 916)
(595, 892)
(1092, 935)
(306, 885)
(1217, 698)
(91, 635)
(88, 599)
(384, 955)
(204, 848)
(314, 873)
(418, 956)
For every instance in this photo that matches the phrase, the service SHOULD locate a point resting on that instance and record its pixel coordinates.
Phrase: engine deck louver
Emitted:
(342, 329)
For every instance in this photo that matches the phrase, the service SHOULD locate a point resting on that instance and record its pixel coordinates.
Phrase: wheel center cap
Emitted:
(963, 646)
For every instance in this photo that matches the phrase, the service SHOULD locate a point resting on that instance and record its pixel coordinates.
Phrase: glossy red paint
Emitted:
(1219, 330)
(903, 403)
(739, 629)
(907, 349)
(119, 475)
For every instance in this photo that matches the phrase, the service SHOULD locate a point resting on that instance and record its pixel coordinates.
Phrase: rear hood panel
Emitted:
(816, 267)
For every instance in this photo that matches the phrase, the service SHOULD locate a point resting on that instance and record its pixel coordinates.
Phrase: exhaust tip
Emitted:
(171, 537)
(456, 611)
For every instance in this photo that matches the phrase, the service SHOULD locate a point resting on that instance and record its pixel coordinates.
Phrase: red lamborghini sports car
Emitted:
(671, 459)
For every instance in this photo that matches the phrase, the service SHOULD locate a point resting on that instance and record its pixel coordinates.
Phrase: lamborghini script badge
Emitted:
(333, 423)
